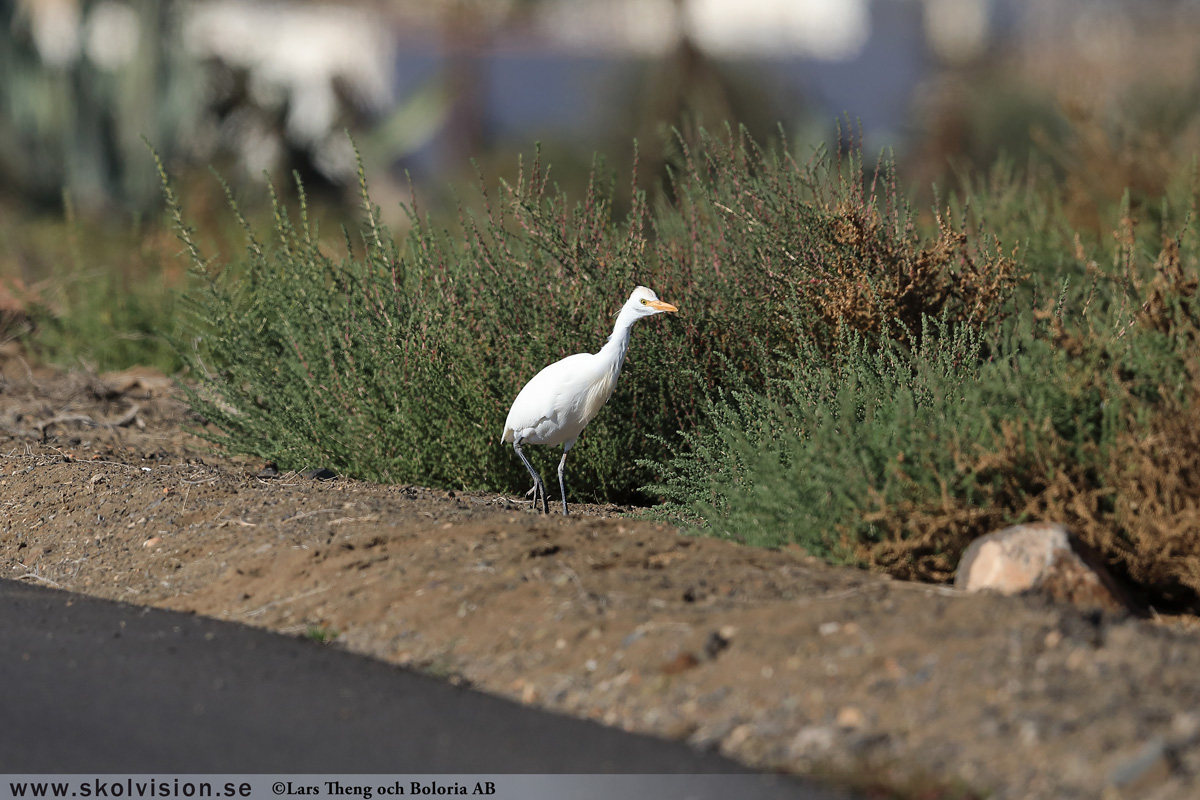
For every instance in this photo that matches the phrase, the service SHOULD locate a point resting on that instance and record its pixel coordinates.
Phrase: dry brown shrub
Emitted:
(874, 278)
(1171, 282)
(1137, 160)
(1140, 510)
(1022, 478)
(1156, 535)
(1142, 513)
(1138, 504)
(17, 304)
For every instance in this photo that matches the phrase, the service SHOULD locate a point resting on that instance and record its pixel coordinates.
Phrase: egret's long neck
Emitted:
(614, 349)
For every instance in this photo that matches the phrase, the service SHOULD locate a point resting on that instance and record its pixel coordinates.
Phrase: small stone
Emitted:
(714, 644)
(1043, 557)
(813, 740)
(709, 736)
(632, 637)
(738, 736)
(1145, 769)
(153, 541)
(681, 663)
(1076, 659)
(322, 474)
(142, 380)
(1185, 725)
(851, 718)
(663, 560)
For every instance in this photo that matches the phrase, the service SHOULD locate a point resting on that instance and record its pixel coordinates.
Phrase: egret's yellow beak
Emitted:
(660, 305)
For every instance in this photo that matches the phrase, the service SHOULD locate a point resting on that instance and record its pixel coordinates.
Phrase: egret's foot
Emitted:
(538, 492)
(535, 495)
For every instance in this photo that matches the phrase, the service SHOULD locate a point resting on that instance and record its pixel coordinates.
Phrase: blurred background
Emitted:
(1105, 91)
(425, 85)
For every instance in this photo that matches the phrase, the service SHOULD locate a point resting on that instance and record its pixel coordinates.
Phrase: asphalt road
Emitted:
(92, 686)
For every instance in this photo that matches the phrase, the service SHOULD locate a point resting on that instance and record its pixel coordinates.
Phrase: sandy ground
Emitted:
(769, 656)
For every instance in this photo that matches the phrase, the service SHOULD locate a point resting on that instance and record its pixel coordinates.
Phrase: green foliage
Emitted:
(85, 293)
(871, 383)
(321, 634)
(876, 424)
(106, 319)
(398, 362)
(108, 325)
(896, 450)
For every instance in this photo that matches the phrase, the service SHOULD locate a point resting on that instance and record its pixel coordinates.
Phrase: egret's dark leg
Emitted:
(562, 486)
(538, 486)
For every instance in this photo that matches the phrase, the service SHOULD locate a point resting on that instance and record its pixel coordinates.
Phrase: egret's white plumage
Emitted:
(558, 402)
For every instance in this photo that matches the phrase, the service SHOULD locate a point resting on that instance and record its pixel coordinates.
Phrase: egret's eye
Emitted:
(643, 302)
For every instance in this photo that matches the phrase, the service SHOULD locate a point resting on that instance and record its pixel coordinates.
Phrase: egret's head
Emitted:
(645, 302)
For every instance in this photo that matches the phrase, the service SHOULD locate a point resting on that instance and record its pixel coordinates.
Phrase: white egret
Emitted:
(559, 401)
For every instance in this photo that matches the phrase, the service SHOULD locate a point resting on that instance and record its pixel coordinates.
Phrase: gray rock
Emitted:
(1043, 557)
(813, 741)
(1147, 767)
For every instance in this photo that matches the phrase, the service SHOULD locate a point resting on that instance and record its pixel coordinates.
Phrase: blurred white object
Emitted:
(833, 30)
(641, 27)
(298, 56)
(54, 26)
(111, 35)
(822, 29)
(957, 30)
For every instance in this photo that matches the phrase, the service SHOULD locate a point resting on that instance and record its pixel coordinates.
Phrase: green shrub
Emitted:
(398, 362)
(896, 451)
(86, 293)
(844, 374)
(100, 320)
(877, 425)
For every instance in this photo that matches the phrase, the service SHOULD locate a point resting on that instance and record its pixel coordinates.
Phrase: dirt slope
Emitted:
(769, 656)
